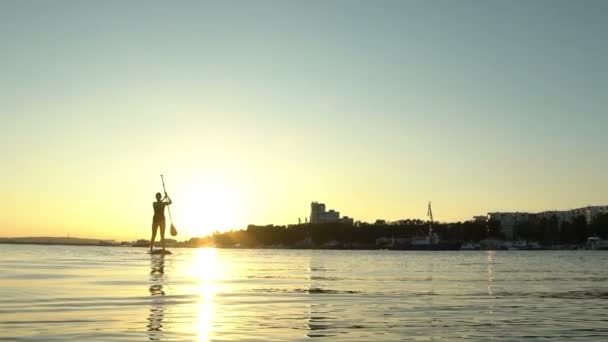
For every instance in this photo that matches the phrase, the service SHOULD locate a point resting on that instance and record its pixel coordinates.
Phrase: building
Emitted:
(592, 212)
(589, 213)
(319, 214)
(330, 216)
(480, 219)
(508, 221)
(347, 220)
(562, 215)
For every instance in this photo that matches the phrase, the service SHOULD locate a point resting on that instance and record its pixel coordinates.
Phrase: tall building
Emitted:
(319, 214)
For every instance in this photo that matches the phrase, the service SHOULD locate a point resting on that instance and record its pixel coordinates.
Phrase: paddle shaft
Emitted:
(165, 190)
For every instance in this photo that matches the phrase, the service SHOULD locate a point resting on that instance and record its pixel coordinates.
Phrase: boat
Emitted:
(470, 246)
(522, 245)
(597, 243)
(427, 242)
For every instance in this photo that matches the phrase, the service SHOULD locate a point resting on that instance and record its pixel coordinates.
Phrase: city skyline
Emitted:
(253, 110)
(507, 219)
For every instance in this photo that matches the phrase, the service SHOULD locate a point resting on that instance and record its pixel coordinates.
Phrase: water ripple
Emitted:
(123, 294)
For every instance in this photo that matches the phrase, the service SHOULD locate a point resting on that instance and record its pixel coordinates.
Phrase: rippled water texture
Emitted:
(58, 293)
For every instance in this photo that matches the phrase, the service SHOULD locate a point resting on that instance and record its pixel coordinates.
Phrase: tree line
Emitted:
(364, 235)
(551, 230)
(360, 235)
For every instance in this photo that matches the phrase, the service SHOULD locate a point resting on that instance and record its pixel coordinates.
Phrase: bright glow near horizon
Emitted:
(252, 111)
(207, 205)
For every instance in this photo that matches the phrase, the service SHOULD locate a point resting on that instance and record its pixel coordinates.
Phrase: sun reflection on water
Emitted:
(206, 270)
(490, 267)
(491, 261)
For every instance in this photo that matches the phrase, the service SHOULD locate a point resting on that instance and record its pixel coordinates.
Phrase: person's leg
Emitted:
(162, 234)
(154, 228)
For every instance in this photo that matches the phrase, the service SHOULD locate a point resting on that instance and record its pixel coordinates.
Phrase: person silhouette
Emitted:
(158, 220)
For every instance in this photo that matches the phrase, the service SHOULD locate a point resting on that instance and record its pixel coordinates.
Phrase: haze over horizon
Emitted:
(252, 111)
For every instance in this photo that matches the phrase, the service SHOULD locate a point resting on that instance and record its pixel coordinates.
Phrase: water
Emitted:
(59, 293)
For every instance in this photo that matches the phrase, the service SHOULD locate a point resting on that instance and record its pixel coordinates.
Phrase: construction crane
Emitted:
(430, 215)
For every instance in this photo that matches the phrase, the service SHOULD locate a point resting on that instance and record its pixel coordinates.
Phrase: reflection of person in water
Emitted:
(157, 308)
(158, 220)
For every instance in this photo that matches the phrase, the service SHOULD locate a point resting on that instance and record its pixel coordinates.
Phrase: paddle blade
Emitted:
(173, 230)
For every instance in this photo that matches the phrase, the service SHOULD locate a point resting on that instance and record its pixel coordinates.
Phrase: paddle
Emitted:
(172, 230)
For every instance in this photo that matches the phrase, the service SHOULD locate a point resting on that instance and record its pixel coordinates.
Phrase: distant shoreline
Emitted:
(66, 241)
(58, 244)
(50, 243)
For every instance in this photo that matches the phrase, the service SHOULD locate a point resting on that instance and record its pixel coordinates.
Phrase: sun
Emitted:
(207, 205)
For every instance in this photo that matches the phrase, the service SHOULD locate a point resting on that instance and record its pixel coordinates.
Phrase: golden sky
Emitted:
(252, 112)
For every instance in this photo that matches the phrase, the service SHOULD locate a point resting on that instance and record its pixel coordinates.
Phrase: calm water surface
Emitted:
(59, 293)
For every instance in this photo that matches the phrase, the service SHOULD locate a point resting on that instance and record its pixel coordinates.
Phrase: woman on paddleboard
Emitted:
(158, 220)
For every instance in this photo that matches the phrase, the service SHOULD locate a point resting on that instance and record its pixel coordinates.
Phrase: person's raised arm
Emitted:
(167, 199)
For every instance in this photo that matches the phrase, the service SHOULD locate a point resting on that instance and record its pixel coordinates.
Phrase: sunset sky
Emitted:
(252, 109)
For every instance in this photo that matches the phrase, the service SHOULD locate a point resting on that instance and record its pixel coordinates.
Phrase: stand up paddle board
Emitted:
(160, 252)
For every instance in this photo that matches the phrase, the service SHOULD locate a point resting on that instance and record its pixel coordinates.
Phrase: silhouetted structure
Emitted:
(319, 214)
(516, 225)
